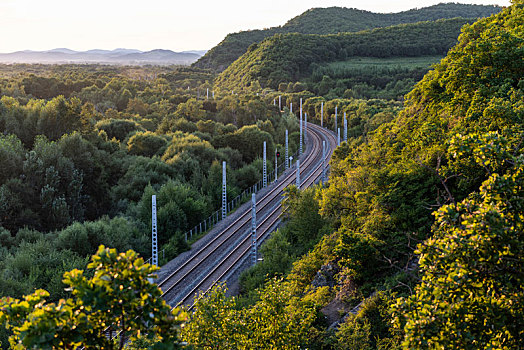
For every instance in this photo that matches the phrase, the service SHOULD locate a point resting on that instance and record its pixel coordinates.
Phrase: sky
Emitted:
(177, 25)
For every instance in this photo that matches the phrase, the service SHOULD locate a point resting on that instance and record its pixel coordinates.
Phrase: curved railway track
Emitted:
(228, 245)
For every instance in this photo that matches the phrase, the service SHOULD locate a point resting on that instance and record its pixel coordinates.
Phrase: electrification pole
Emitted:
(253, 228)
(264, 180)
(323, 162)
(300, 146)
(322, 114)
(336, 111)
(298, 174)
(287, 151)
(154, 241)
(224, 191)
(276, 165)
(305, 127)
(345, 128)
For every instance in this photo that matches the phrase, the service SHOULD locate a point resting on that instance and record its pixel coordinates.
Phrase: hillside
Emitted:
(425, 248)
(331, 21)
(288, 57)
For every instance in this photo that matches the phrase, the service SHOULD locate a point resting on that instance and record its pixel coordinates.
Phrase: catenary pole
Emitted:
(253, 228)
(345, 128)
(287, 150)
(224, 191)
(322, 114)
(264, 180)
(301, 131)
(154, 233)
(323, 162)
(298, 174)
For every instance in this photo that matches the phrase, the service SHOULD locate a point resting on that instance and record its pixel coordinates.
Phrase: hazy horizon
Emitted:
(158, 24)
(98, 49)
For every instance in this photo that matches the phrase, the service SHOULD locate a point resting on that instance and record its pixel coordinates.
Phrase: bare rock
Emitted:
(325, 277)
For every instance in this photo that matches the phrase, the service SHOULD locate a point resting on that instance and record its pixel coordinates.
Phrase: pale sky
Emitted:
(158, 24)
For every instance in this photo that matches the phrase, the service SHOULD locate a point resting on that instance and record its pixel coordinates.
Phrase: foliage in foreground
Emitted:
(471, 292)
(277, 321)
(115, 294)
(456, 151)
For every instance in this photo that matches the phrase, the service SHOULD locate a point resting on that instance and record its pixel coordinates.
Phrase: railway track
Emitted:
(225, 247)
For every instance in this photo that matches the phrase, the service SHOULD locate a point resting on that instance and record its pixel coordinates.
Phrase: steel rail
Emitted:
(311, 178)
(245, 216)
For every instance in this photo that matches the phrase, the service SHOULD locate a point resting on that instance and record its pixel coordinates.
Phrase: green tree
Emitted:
(60, 116)
(215, 324)
(11, 157)
(277, 321)
(471, 293)
(118, 128)
(146, 144)
(117, 296)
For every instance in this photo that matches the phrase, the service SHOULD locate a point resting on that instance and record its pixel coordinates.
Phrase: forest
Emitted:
(289, 57)
(416, 241)
(365, 77)
(83, 149)
(334, 20)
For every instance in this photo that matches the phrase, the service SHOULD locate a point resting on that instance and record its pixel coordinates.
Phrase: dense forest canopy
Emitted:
(425, 249)
(334, 20)
(366, 77)
(416, 242)
(288, 58)
(84, 147)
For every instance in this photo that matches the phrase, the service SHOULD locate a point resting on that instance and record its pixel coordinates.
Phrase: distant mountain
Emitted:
(335, 20)
(117, 56)
(62, 50)
(198, 52)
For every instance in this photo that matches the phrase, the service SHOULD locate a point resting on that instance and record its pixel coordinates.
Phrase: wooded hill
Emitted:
(331, 21)
(425, 249)
(416, 242)
(288, 57)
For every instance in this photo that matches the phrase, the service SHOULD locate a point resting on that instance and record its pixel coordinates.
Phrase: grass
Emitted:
(404, 62)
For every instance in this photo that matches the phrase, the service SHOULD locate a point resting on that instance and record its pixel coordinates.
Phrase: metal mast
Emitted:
(345, 128)
(224, 191)
(264, 180)
(253, 228)
(336, 111)
(322, 114)
(276, 165)
(323, 162)
(154, 241)
(287, 151)
(298, 174)
(301, 127)
(305, 127)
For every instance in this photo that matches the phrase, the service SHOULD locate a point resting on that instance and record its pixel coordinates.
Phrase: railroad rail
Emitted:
(224, 248)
